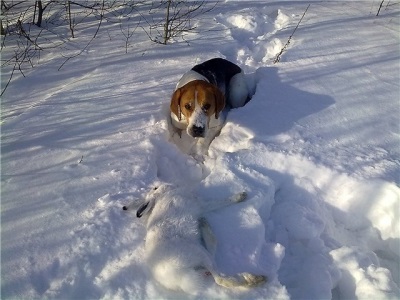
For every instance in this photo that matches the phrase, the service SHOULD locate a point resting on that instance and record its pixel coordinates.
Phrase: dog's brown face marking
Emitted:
(197, 94)
(195, 103)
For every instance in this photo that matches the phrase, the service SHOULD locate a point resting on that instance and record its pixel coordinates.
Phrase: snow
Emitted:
(317, 150)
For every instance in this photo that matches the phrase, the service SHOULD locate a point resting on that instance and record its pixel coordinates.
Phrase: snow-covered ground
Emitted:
(317, 149)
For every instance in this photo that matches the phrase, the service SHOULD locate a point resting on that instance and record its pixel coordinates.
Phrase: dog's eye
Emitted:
(206, 107)
(188, 106)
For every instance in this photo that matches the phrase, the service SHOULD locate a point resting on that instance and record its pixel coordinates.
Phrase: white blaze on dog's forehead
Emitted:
(199, 120)
(199, 117)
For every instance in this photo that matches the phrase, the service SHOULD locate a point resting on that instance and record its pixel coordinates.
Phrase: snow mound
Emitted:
(247, 23)
(316, 149)
(362, 278)
(281, 21)
(272, 49)
(254, 33)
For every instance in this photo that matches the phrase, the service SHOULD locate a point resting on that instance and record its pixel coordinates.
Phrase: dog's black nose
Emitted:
(197, 131)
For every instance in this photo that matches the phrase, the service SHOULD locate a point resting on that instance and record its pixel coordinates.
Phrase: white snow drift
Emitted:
(317, 150)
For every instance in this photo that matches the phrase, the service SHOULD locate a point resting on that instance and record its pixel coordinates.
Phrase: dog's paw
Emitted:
(239, 197)
(253, 280)
(199, 158)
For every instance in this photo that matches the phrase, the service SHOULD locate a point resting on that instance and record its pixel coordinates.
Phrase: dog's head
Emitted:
(151, 198)
(148, 204)
(197, 102)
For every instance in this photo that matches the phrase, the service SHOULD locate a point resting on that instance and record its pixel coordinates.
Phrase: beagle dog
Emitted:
(180, 244)
(201, 95)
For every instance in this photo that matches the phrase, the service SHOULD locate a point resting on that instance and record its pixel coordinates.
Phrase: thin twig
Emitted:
(380, 6)
(9, 80)
(93, 37)
(278, 57)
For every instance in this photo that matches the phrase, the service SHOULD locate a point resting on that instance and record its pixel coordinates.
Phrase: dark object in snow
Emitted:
(142, 208)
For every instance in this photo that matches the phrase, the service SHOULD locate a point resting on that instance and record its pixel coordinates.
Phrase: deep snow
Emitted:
(317, 149)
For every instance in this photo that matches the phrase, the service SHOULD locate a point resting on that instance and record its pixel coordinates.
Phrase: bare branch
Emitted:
(380, 6)
(278, 57)
(9, 79)
(93, 37)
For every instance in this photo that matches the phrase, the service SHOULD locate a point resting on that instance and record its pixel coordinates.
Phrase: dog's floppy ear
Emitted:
(219, 101)
(176, 104)
(146, 207)
(142, 209)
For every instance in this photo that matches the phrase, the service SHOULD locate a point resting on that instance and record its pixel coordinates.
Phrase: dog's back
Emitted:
(219, 72)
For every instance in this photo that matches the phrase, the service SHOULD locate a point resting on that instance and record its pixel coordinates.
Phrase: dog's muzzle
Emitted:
(196, 131)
